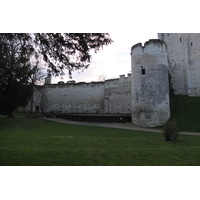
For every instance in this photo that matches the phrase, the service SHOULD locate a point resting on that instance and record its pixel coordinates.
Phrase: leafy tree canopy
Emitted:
(60, 51)
(71, 51)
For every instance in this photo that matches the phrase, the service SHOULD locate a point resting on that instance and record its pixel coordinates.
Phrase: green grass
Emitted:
(186, 112)
(37, 142)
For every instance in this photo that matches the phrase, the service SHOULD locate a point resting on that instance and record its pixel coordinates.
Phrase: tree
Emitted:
(60, 51)
(69, 51)
(102, 77)
(16, 72)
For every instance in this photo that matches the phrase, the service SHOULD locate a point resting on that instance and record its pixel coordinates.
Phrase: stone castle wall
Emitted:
(74, 98)
(111, 96)
(184, 61)
(117, 96)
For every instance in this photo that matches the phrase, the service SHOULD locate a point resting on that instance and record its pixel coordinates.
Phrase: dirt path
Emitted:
(127, 126)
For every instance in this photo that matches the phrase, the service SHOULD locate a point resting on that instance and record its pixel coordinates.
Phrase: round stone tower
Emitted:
(150, 84)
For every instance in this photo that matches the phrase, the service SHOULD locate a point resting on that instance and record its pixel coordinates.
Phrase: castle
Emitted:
(144, 93)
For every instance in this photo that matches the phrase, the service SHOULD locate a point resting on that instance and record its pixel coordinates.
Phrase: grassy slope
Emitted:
(39, 142)
(186, 112)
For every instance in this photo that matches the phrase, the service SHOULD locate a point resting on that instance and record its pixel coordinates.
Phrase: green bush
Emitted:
(49, 115)
(170, 131)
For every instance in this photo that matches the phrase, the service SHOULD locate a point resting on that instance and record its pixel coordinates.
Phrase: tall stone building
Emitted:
(184, 61)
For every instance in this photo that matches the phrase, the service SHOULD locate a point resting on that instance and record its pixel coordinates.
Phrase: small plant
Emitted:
(49, 115)
(170, 131)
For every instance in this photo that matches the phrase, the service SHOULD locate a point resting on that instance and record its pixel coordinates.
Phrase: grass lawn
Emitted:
(37, 142)
(186, 112)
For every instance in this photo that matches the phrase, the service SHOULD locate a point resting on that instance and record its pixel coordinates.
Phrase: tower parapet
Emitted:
(150, 84)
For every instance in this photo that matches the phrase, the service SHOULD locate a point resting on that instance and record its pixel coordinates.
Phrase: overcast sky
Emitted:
(113, 60)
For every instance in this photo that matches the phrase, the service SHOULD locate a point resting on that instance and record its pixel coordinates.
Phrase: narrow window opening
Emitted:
(180, 39)
(191, 44)
(143, 71)
(37, 108)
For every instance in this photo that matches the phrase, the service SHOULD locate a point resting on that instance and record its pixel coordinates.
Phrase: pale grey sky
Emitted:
(113, 60)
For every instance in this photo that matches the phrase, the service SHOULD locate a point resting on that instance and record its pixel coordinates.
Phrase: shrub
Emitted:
(170, 131)
(49, 115)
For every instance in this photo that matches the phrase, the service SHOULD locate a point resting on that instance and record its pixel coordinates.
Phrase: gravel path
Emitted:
(127, 126)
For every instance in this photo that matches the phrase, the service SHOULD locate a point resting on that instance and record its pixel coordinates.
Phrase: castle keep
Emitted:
(144, 94)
